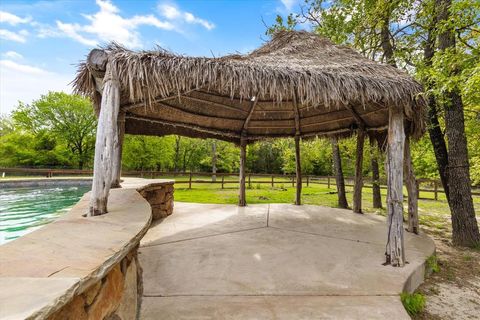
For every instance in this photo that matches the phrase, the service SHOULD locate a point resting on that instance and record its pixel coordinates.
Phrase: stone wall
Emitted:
(160, 197)
(117, 296)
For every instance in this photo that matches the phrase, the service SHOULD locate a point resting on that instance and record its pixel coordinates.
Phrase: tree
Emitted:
(69, 118)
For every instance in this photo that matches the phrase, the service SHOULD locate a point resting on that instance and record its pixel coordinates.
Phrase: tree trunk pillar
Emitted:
(412, 189)
(298, 171)
(104, 145)
(377, 196)
(117, 151)
(395, 254)
(357, 188)
(340, 180)
(242, 202)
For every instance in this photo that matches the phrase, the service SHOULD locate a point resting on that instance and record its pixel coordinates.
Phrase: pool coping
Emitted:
(42, 271)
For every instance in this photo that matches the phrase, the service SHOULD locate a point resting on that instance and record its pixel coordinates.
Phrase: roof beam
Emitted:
(247, 120)
(297, 115)
(220, 133)
(361, 123)
(213, 103)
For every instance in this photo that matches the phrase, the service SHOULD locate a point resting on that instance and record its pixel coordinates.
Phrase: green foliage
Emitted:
(59, 119)
(432, 264)
(414, 303)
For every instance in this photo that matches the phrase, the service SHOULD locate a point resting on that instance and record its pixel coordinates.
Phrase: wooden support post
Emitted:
(250, 181)
(242, 202)
(293, 181)
(190, 180)
(377, 196)
(328, 182)
(308, 181)
(223, 180)
(117, 150)
(104, 145)
(435, 190)
(273, 185)
(298, 172)
(395, 254)
(339, 178)
(358, 185)
(411, 184)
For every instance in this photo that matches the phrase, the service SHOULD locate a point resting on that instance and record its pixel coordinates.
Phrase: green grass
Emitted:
(413, 302)
(432, 214)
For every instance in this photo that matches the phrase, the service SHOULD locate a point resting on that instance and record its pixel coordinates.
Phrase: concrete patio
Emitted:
(274, 261)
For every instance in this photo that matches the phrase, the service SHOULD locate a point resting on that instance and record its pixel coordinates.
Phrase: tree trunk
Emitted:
(337, 167)
(434, 129)
(107, 123)
(358, 185)
(214, 161)
(464, 224)
(412, 189)
(117, 151)
(377, 197)
(298, 171)
(242, 202)
(395, 254)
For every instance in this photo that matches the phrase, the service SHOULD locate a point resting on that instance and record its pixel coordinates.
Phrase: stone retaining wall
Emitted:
(117, 296)
(160, 198)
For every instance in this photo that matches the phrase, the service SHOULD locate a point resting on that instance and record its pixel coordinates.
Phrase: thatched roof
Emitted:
(297, 75)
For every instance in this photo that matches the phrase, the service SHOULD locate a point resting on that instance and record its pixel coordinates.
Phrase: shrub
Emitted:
(432, 263)
(414, 303)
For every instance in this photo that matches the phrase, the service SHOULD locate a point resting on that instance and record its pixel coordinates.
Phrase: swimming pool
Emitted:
(22, 210)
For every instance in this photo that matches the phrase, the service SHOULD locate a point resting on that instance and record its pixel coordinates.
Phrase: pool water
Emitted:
(23, 210)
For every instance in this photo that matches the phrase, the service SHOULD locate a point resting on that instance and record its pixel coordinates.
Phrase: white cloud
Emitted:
(171, 12)
(23, 68)
(108, 25)
(289, 4)
(12, 55)
(26, 83)
(14, 36)
(11, 19)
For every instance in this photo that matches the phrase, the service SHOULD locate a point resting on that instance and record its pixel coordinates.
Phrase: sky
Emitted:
(41, 42)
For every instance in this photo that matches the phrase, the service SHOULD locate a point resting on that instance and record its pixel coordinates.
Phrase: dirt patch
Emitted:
(454, 291)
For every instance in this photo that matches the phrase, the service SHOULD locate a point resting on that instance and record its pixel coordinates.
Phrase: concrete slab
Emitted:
(341, 223)
(194, 220)
(270, 262)
(278, 308)
(274, 262)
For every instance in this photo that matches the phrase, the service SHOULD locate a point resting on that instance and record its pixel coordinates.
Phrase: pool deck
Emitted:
(274, 261)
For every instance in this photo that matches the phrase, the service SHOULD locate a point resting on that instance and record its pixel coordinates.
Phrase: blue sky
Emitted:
(42, 41)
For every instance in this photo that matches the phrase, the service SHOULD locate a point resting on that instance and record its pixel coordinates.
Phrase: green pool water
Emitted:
(23, 210)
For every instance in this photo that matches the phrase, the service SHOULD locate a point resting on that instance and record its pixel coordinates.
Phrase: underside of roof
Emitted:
(296, 84)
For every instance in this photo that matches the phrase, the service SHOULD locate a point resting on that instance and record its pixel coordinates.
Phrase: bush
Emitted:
(432, 264)
(414, 303)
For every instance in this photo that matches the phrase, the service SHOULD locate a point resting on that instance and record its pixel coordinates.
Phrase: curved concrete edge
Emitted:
(44, 270)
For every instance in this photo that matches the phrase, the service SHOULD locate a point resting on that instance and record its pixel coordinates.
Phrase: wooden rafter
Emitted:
(250, 113)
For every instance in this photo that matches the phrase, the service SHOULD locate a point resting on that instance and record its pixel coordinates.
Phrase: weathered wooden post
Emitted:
(298, 171)
(376, 194)
(396, 139)
(104, 145)
(223, 180)
(339, 178)
(190, 180)
(272, 182)
(358, 185)
(243, 157)
(117, 150)
(412, 189)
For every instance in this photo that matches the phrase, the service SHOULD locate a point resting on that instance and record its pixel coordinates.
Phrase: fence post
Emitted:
(273, 185)
(249, 181)
(190, 180)
(308, 181)
(435, 189)
(223, 179)
(293, 181)
(328, 182)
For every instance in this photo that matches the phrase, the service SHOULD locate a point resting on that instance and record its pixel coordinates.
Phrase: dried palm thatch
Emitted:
(301, 84)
